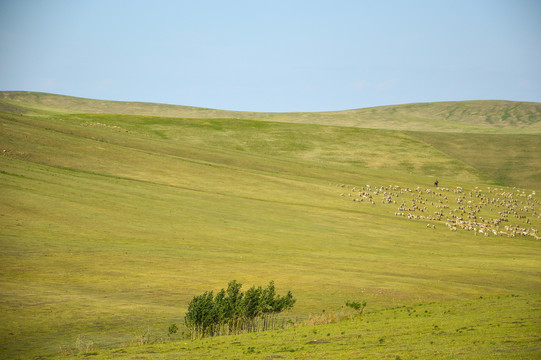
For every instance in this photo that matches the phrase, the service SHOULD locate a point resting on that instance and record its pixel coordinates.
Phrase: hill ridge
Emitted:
(471, 116)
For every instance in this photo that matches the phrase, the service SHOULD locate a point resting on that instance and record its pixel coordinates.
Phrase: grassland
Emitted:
(442, 330)
(511, 160)
(462, 117)
(111, 223)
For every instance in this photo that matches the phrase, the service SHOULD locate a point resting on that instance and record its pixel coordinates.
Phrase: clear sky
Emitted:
(273, 55)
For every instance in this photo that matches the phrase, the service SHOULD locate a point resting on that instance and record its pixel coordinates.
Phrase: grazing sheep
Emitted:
(476, 210)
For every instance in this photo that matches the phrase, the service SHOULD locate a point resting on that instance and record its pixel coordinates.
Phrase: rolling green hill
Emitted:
(464, 116)
(111, 222)
(480, 130)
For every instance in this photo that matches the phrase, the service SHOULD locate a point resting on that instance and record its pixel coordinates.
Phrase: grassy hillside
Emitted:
(443, 330)
(511, 160)
(465, 116)
(110, 224)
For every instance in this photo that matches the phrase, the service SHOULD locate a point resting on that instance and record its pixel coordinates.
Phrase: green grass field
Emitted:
(473, 329)
(459, 117)
(111, 223)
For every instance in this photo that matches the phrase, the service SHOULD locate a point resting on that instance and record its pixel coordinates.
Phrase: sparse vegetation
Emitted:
(172, 329)
(358, 306)
(82, 345)
(387, 333)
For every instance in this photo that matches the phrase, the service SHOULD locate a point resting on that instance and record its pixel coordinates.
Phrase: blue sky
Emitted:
(273, 55)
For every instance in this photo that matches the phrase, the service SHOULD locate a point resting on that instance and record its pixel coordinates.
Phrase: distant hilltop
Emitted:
(482, 116)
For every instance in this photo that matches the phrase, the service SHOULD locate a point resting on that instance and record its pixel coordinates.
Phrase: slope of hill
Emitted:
(465, 116)
(111, 223)
(512, 160)
(443, 330)
(518, 165)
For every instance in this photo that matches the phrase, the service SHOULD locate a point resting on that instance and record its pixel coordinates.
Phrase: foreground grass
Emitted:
(483, 328)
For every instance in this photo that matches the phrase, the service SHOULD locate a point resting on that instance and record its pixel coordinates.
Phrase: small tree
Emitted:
(200, 315)
(252, 307)
(268, 299)
(357, 306)
(233, 306)
(172, 329)
(220, 312)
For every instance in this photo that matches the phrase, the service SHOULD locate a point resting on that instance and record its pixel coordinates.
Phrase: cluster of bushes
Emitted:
(232, 311)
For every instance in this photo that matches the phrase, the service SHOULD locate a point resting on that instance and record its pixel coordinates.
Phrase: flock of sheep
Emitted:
(490, 212)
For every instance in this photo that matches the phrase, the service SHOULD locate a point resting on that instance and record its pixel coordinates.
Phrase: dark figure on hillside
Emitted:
(436, 182)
